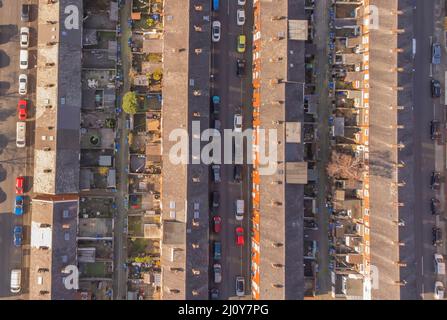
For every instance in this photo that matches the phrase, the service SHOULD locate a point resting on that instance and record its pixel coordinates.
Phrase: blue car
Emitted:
(18, 206)
(216, 103)
(18, 230)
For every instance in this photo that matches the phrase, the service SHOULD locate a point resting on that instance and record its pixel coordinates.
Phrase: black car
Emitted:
(214, 294)
(25, 13)
(237, 173)
(434, 206)
(435, 88)
(215, 199)
(240, 64)
(436, 236)
(435, 180)
(435, 131)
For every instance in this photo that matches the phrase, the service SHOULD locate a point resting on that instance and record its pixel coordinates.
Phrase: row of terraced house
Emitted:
(168, 223)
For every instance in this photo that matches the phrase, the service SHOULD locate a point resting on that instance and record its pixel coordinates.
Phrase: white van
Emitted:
(16, 280)
(439, 264)
(239, 210)
(23, 59)
(21, 134)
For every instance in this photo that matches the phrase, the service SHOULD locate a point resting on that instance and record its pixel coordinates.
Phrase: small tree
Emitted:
(344, 166)
(157, 75)
(130, 102)
(150, 22)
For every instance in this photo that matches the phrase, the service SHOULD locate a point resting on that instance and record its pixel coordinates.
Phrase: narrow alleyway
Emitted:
(120, 235)
(324, 111)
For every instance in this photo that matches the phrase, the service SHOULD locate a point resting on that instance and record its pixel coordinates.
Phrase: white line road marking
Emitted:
(434, 111)
(422, 267)
(228, 7)
(431, 70)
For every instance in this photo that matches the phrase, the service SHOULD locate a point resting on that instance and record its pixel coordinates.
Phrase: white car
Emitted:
(23, 59)
(216, 31)
(439, 290)
(24, 37)
(23, 84)
(240, 17)
(241, 2)
(237, 123)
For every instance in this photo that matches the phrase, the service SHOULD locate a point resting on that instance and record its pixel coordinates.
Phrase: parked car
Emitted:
(217, 270)
(24, 37)
(215, 199)
(18, 205)
(435, 88)
(21, 134)
(241, 43)
(24, 16)
(434, 206)
(237, 173)
(217, 224)
(20, 182)
(16, 280)
(239, 236)
(216, 31)
(23, 59)
(240, 67)
(237, 122)
(214, 294)
(436, 53)
(217, 250)
(240, 286)
(215, 102)
(217, 124)
(435, 130)
(241, 2)
(435, 180)
(239, 213)
(439, 290)
(436, 236)
(240, 17)
(216, 173)
(23, 84)
(18, 232)
(439, 264)
(21, 109)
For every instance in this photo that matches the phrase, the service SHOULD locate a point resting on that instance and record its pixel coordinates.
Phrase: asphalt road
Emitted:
(235, 94)
(425, 109)
(14, 161)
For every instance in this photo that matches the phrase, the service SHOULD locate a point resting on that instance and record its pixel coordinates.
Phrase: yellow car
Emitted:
(241, 43)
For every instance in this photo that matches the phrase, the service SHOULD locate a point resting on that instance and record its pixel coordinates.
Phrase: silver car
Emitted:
(240, 286)
(23, 84)
(240, 17)
(217, 268)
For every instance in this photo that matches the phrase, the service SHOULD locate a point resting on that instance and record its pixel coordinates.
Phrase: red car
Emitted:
(239, 236)
(217, 224)
(20, 181)
(21, 109)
